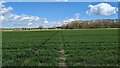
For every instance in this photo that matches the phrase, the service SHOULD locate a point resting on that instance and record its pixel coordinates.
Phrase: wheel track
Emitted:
(62, 64)
(49, 38)
(43, 44)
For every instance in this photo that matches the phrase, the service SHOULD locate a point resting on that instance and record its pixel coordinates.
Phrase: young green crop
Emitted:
(41, 48)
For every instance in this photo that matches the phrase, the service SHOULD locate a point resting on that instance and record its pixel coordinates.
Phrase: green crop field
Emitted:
(84, 47)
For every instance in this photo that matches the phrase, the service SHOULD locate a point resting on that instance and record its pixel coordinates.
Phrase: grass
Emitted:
(90, 47)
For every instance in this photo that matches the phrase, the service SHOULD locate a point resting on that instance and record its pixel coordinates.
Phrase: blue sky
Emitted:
(47, 14)
(57, 11)
(61, 0)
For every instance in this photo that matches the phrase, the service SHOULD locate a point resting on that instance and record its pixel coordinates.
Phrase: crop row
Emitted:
(41, 48)
(91, 47)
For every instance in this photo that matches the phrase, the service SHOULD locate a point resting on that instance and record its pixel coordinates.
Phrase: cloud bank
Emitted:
(75, 18)
(103, 9)
(8, 18)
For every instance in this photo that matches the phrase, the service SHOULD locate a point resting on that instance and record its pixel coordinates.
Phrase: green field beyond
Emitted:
(61, 48)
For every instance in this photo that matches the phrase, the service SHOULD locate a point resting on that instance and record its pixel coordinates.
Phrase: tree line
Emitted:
(105, 23)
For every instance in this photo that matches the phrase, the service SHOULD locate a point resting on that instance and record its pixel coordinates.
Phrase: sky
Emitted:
(48, 14)
(61, 0)
(56, 11)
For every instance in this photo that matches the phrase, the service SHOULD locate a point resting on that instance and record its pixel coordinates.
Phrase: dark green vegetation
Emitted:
(105, 23)
(41, 48)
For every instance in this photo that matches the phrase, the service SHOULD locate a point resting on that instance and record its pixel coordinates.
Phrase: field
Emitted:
(84, 47)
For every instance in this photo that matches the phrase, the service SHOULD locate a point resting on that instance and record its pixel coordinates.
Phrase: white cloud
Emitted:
(3, 11)
(1, 4)
(69, 20)
(75, 18)
(14, 19)
(30, 24)
(103, 9)
(1, 18)
(20, 18)
(45, 20)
